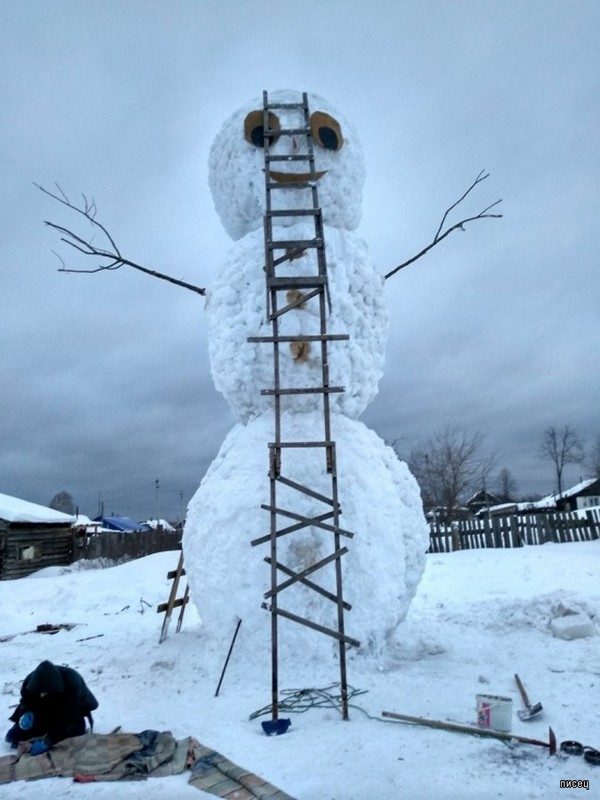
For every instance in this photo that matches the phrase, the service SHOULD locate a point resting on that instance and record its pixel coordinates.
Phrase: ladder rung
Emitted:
(321, 337)
(277, 445)
(182, 601)
(284, 105)
(305, 390)
(289, 185)
(173, 574)
(294, 212)
(288, 131)
(297, 157)
(297, 282)
(283, 244)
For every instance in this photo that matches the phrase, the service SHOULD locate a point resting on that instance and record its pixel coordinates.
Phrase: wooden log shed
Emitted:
(32, 537)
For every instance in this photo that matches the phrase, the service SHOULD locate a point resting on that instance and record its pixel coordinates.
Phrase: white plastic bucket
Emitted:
(494, 712)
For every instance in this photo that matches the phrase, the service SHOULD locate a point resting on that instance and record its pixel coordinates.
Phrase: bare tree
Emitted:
(108, 257)
(593, 460)
(507, 486)
(63, 501)
(562, 446)
(450, 465)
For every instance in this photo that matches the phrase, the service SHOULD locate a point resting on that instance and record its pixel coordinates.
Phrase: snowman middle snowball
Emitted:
(236, 303)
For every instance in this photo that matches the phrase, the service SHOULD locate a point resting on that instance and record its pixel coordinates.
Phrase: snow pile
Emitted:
(380, 502)
(446, 654)
(236, 310)
(237, 178)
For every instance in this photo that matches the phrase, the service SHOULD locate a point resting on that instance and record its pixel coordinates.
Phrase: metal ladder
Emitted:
(307, 287)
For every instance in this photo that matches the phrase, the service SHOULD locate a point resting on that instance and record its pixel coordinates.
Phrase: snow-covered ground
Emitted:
(478, 617)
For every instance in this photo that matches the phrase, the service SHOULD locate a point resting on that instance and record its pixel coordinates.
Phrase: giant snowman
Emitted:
(379, 497)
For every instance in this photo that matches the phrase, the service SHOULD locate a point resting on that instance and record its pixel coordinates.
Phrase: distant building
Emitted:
(481, 501)
(585, 494)
(118, 523)
(153, 524)
(32, 537)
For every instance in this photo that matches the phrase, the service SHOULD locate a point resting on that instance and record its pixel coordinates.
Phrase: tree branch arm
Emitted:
(439, 236)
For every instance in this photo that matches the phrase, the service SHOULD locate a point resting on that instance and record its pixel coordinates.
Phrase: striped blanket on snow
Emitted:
(136, 756)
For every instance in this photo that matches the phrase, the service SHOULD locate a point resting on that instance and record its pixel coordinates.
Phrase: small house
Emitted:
(481, 501)
(119, 523)
(32, 537)
(585, 494)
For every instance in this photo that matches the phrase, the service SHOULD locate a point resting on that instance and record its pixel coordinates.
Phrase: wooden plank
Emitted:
(310, 492)
(173, 573)
(295, 303)
(177, 604)
(306, 572)
(310, 584)
(300, 517)
(305, 390)
(318, 337)
(292, 528)
(309, 624)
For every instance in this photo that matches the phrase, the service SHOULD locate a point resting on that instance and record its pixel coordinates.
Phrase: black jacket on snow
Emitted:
(59, 699)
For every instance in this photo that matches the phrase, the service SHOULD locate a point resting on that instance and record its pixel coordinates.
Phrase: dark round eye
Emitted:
(254, 130)
(326, 131)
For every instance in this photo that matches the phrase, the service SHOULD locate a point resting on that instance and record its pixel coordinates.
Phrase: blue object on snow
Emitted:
(275, 727)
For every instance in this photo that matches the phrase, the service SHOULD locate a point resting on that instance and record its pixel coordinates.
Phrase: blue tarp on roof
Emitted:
(120, 523)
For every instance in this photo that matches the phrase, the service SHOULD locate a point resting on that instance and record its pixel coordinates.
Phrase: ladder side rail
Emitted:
(330, 453)
(276, 453)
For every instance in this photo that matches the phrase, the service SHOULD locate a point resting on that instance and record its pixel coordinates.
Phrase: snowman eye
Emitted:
(326, 131)
(254, 130)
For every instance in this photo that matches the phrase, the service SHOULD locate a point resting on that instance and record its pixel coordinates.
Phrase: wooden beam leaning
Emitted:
(310, 492)
(311, 585)
(292, 528)
(314, 625)
(172, 602)
(295, 303)
(305, 572)
(292, 515)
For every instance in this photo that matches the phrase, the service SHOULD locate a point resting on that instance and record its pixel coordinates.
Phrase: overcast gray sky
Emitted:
(105, 384)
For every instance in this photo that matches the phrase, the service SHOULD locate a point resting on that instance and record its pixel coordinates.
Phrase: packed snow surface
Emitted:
(236, 309)
(380, 503)
(236, 169)
(478, 617)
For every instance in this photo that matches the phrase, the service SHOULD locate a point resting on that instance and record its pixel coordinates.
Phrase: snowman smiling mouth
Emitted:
(295, 177)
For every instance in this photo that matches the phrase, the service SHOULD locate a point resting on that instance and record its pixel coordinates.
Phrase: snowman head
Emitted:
(236, 165)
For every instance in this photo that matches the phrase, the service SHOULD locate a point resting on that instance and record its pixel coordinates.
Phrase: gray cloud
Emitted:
(105, 379)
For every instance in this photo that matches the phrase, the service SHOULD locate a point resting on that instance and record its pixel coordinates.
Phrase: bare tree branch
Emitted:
(439, 236)
(111, 258)
(562, 446)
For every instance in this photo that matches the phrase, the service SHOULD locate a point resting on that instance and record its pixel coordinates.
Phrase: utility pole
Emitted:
(157, 506)
(181, 506)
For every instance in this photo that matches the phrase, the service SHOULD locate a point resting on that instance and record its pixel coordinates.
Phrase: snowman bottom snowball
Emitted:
(380, 502)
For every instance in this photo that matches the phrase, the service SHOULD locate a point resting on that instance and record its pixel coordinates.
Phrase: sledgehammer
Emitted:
(475, 731)
(532, 711)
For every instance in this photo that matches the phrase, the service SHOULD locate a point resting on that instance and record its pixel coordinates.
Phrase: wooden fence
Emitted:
(515, 531)
(116, 545)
